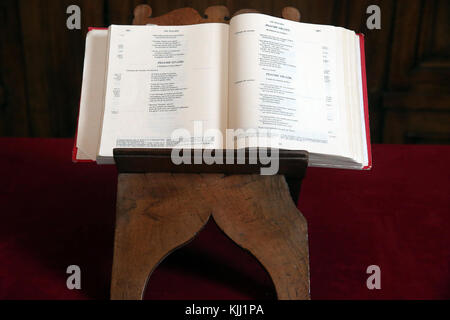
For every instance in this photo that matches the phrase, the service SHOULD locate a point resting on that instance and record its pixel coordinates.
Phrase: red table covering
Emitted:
(54, 213)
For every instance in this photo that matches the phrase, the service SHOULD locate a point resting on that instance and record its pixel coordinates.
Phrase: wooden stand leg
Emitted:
(159, 212)
(258, 214)
(156, 213)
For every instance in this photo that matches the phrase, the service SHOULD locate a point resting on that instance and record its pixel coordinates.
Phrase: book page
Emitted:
(91, 101)
(283, 81)
(164, 78)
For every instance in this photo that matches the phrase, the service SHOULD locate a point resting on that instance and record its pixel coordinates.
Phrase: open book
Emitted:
(260, 81)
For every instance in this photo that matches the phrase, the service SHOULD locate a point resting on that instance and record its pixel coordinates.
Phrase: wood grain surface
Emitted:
(160, 212)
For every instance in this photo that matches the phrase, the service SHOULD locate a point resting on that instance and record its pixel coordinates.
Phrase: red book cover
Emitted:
(366, 100)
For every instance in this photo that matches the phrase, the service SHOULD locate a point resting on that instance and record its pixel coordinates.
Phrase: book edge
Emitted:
(75, 148)
(365, 101)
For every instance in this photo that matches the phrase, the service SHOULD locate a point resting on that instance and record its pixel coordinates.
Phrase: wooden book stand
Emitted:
(161, 207)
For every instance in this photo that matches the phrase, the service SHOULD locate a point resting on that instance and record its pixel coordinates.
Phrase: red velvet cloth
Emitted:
(54, 213)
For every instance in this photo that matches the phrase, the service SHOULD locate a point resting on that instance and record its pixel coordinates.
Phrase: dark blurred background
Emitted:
(408, 60)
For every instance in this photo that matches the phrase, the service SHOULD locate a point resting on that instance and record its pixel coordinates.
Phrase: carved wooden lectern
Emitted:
(161, 206)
